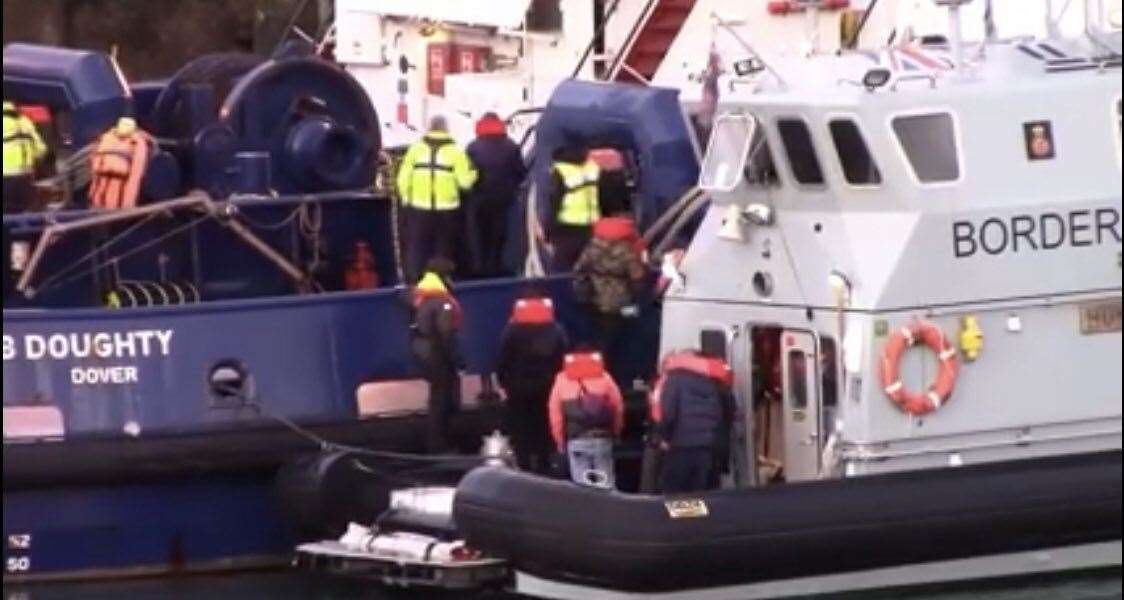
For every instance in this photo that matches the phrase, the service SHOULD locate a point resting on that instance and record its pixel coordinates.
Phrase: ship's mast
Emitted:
(955, 29)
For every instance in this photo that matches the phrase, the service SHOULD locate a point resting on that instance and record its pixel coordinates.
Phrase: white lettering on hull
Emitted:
(141, 343)
(103, 375)
(96, 347)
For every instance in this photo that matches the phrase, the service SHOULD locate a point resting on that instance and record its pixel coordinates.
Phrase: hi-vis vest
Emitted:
(433, 173)
(22, 144)
(580, 204)
(117, 168)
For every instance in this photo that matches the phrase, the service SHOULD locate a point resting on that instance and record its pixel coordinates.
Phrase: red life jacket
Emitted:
(711, 368)
(532, 311)
(589, 411)
(583, 365)
(619, 229)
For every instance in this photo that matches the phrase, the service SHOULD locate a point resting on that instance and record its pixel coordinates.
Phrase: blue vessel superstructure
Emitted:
(170, 409)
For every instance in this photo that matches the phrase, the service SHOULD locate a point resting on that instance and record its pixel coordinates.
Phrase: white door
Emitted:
(801, 405)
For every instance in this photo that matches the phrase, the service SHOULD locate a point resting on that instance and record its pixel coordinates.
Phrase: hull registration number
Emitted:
(1102, 317)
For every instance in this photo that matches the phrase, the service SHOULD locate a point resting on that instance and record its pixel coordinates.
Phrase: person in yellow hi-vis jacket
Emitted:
(434, 176)
(23, 148)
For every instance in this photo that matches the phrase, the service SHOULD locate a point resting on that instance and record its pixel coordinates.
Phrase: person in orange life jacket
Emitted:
(437, 319)
(501, 168)
(692, 409)
(609, 277)
(586, 415)
(532, 348)
(573, 205)
(118, 165)
(433, 177)
(360, 273)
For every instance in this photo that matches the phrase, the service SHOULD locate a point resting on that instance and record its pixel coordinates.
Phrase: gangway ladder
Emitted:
(649, 41)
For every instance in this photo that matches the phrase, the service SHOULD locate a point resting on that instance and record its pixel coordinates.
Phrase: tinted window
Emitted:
(760, 170)
(713, 342)
(797, 378)
(859, 167)
(929, 142)
(801, 152)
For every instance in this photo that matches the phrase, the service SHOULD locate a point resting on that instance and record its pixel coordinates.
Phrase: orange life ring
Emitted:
(918, 403)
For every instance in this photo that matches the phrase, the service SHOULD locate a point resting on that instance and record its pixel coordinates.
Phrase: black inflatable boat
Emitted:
(559, 532)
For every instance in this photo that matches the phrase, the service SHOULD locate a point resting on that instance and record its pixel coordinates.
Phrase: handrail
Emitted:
(630, 41)
(599, 34)
(223, 212)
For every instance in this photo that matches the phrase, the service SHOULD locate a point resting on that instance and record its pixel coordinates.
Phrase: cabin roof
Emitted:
(921, 73)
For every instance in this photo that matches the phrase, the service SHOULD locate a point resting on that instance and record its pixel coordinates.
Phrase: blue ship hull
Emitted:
(190, 485)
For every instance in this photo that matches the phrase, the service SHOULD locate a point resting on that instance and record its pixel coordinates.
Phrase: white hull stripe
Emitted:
(1053, 560)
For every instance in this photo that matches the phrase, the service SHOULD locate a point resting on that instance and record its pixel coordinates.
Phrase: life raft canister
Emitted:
(912, 402)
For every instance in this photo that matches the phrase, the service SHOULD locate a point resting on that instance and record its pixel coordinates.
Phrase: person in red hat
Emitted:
(610, 277)
(586, 417)
(499, 162)
(532, 348)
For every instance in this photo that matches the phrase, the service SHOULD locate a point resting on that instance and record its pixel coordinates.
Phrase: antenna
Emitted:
(955, 28)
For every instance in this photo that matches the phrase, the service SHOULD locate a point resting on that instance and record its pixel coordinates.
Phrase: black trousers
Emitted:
(19, 193)
(687, 470)
(9, 275)
(487, 230)
(428, 234)
(526, 425)
(444, 401)
(569, 241)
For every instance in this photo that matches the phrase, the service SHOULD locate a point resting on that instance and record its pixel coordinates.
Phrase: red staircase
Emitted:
(650, 40)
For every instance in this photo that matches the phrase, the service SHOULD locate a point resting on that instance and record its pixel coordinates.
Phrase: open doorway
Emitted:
(794, 402)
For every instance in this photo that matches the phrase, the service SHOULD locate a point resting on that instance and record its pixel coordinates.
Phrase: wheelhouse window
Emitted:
(727, 153)
(859, 167)
(929, 143)
(713, 342)
(801, 151)
(760, 168)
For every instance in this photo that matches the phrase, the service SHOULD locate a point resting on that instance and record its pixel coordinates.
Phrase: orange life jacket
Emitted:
(711, 368)
(117, 169)
(361, 273)
(532, 311)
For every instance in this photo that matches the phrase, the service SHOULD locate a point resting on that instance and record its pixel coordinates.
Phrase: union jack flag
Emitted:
(911, 58)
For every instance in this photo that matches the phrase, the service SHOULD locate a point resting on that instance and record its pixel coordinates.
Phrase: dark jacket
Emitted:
(530, 356)
(499, 162)
(695, 405)
(436, 326)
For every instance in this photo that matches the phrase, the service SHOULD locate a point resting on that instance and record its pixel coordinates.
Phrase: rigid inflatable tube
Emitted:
(556, 530)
